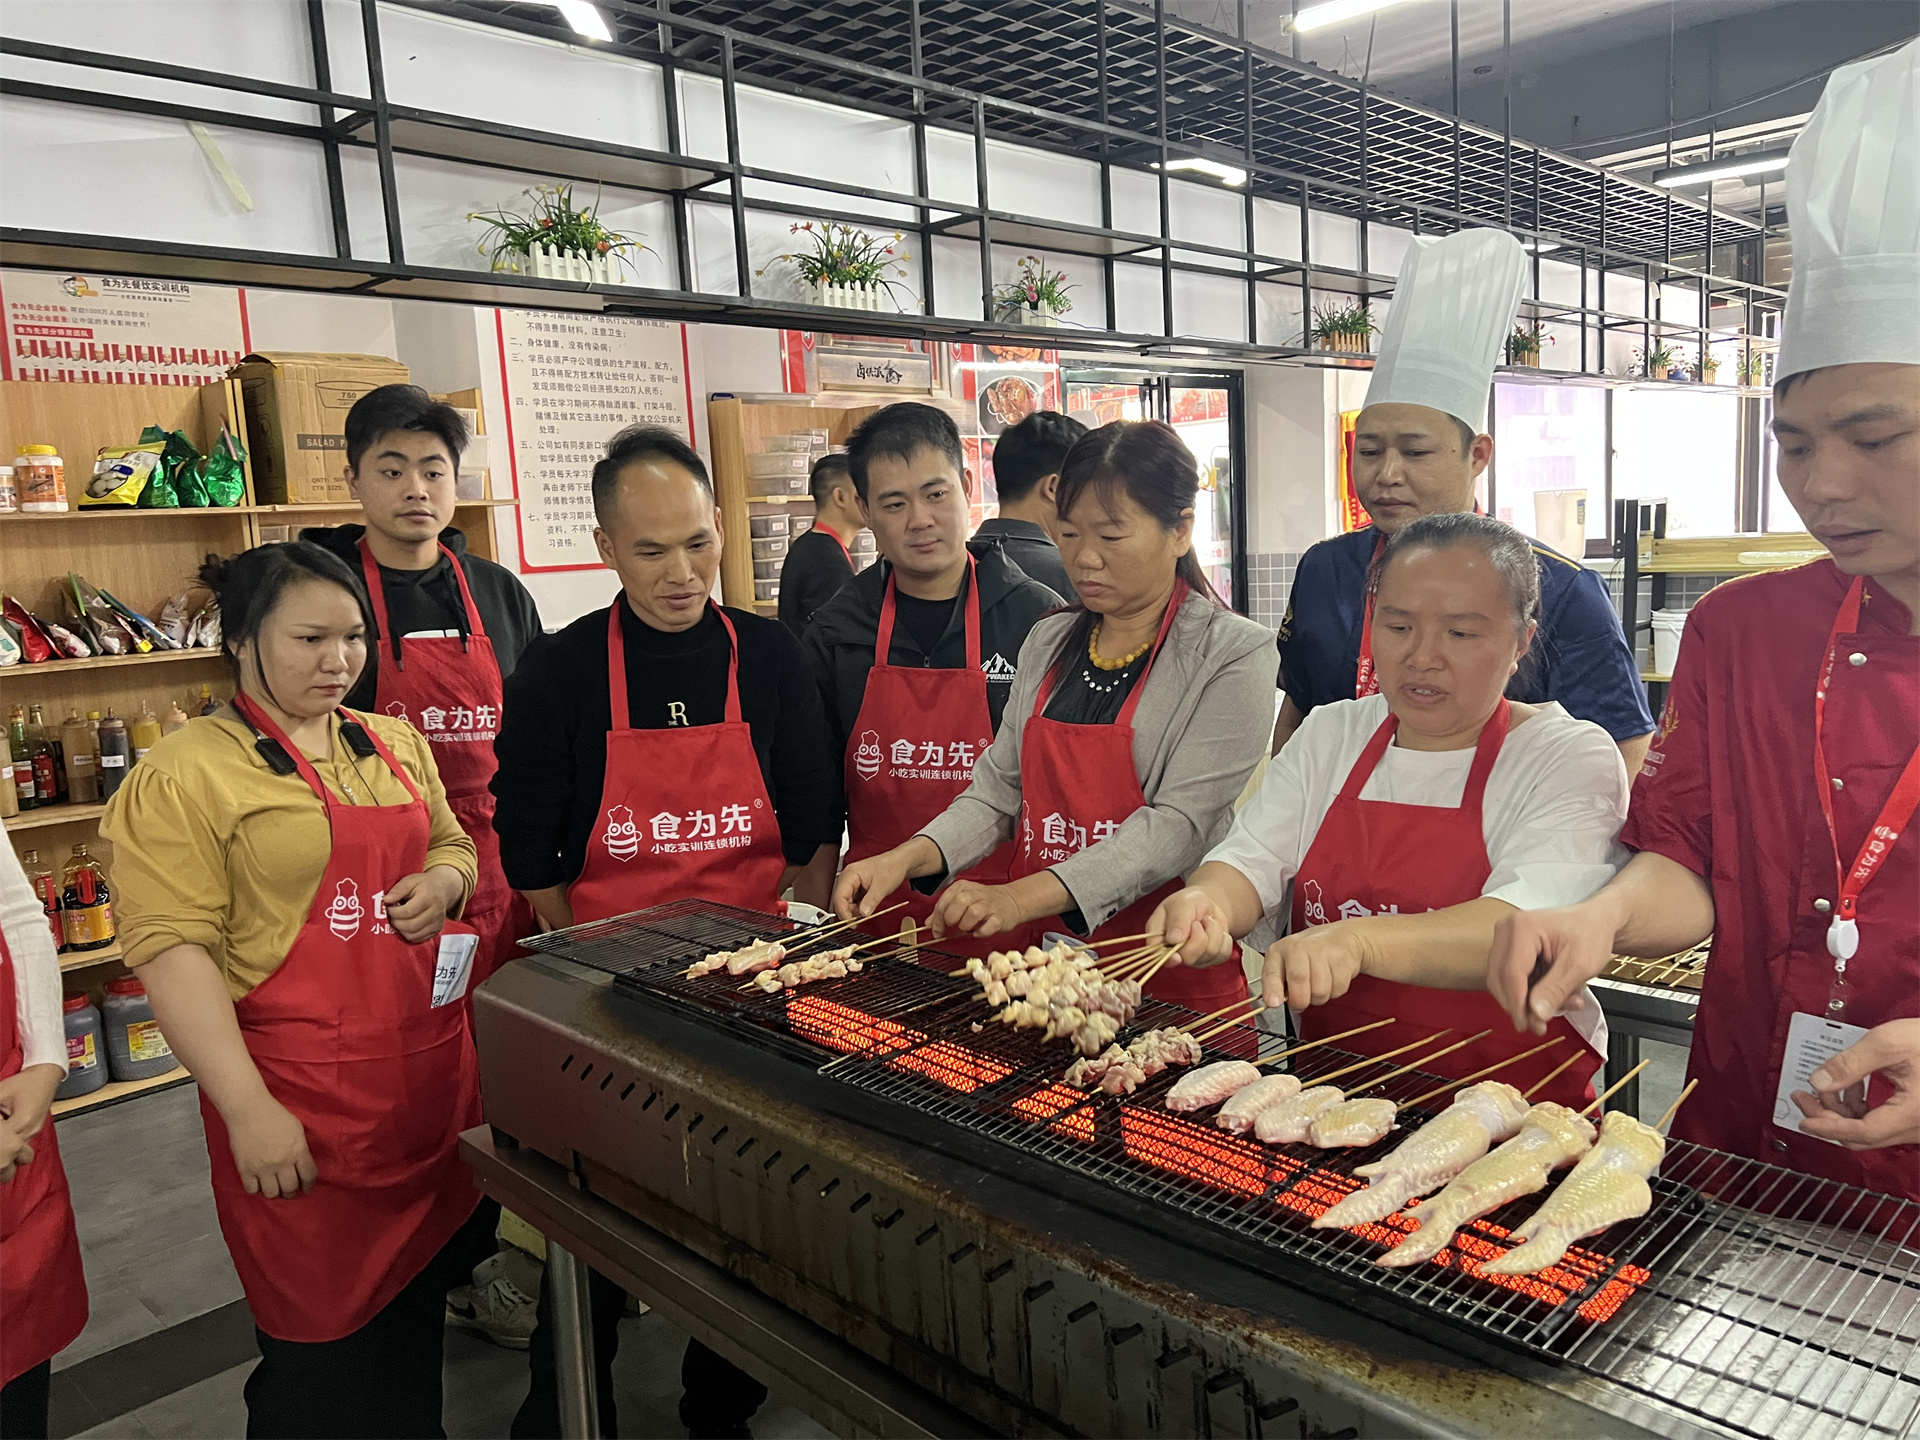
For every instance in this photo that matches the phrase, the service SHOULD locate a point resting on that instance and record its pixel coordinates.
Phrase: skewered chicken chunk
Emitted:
(759, 955)
(1607, 1186)
(1352, 1124)
(1121, 1072)
(828, 965)
(1551, 1136)
(1244, 1107)
(1211, 1084)
(1291, 1120)
(1481, 1116)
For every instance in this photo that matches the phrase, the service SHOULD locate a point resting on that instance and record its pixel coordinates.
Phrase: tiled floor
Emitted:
(164, 1293)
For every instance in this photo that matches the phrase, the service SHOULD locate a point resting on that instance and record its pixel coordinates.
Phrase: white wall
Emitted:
(329, 324)
(1293, 454)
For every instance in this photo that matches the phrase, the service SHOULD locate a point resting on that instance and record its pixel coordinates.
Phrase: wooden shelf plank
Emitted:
(116, 1090)
(219, 512)
(107, 662)
(87, 959)
(53, 815)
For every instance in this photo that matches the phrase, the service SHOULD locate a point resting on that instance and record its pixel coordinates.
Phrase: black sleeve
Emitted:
(820, 663)
(534, 784)
(818, 568)
(805, 766)
(527, 622)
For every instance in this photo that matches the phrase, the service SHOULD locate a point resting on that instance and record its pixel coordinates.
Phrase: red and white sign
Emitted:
(118, 330)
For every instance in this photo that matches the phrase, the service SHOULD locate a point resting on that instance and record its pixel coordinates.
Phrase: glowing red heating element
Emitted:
(1169, 1143)
(843, 1028)
(1055, 1100)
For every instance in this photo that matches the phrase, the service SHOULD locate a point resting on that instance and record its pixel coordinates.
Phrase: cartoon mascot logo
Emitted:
(398, 709)
(866, 759)
(344, 914)
(1312, 905)
(622, 835)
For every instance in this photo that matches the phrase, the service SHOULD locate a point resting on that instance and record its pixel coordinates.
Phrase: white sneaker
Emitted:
(494, 1306)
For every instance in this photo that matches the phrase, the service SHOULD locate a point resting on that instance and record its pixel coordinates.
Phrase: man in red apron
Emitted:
(1776, 809)
(450, 625)
(43, 1291)
(915, 658)
(662, 748)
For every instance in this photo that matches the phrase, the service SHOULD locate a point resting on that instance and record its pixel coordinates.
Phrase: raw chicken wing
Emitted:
(1607, 1186)
(1551, 1136)
(1481, 1116)
(1240, 1111)
(1290, 1121)
(1352, 1124)
(1211, 1084)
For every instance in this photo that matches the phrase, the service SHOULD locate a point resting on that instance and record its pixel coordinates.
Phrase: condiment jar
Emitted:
(41, 478)
(136, 1050)
(86, 1049)
(9, 492)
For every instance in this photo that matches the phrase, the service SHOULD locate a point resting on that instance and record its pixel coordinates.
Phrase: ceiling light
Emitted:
(1542, 246)
(1318, 17)
(586, 19)
(1225, 174)
(1760, 162)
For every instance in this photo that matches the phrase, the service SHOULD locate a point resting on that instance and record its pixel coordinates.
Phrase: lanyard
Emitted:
(834, 535)
(1843, 934)
(1365, 681)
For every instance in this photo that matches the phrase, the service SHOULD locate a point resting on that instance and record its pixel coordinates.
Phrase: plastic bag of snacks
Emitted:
(121, 475)
(224, 471)
(205, 630)
(174, 482)
(65, 641)
(106, 617)
(9, 643)
(35, 644)
(175, 616)
(138, 623)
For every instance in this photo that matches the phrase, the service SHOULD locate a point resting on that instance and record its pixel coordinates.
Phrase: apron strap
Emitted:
(264, 724)
(883, 636)
(1485, 751)
(377, 596)
(617, 665)
(1179, 598)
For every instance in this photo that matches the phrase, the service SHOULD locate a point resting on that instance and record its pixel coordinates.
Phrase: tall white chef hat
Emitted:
(1452, 311)
(1853, 207)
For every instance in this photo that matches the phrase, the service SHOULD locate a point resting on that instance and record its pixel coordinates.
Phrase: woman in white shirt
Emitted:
(1408, 821)
(43, 1292)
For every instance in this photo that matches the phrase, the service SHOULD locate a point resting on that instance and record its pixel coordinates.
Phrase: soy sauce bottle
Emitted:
(86, 905)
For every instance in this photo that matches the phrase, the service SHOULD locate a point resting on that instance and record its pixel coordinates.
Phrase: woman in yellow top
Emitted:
(286, 873)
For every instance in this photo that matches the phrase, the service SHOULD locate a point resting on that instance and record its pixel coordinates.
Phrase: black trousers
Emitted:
(718, 1397)
(23, 1403)
(382, 1382)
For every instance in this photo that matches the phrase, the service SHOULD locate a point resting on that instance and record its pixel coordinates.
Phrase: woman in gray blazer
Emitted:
(1136, 718)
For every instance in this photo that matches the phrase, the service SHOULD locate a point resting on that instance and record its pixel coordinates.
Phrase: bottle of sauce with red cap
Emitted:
(86, 905)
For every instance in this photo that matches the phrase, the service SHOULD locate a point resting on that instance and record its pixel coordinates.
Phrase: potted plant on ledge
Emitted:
(1038, 297)
(1658, 363)
(846, 268)
(1344, 329)
(1523, 345)
(557, 240)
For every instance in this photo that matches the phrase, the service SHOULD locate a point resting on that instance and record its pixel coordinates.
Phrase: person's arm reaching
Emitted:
(1285, 723)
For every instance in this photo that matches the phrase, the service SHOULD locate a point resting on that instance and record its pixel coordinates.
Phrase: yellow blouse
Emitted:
(211, 848)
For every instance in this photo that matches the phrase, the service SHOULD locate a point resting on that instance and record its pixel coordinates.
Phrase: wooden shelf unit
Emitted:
(741, 428)
(42, 818)
(116, 1090)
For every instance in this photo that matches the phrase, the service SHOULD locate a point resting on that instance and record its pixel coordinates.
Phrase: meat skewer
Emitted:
(1244, 1108)
(1120, 1071)
(1211, 1084)
(1358, 1122)
(1607, 1186)
(1290, 1121)
(767, 954)
(797, 972)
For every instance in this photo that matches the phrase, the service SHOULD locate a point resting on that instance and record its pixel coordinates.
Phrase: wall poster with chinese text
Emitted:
(571, 382)
(118, 330)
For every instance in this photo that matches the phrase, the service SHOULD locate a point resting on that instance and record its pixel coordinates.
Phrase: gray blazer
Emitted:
(1204, 720)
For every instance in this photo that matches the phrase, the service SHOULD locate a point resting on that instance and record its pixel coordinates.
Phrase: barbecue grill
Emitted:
(932, 1195)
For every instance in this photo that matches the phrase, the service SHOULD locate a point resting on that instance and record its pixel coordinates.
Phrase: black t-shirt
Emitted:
(1087, 695)
(925, 620)
(812, 574)
(552, 748)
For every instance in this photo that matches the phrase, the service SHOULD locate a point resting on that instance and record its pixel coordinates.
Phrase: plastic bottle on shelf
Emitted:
(83, 762)
(175, 719)
(49, 785)
(41, 478)
(24, 779)
(86, 904)
(40, 880)
(86, 1049)
(208, 705)
(136, 1050)
(9, 491)
(114, 754)
(144, 733)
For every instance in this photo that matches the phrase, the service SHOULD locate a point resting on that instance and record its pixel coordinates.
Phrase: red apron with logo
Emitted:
(449, 690)
(1077, 786)
(912, 752)
(684, 812)
(43, 1290)
(1374, 857)
(346, 1036)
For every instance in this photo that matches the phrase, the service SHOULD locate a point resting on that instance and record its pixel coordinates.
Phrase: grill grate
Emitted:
(1758, 1298)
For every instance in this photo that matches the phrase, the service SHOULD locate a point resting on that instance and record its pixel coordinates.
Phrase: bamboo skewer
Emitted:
(1253, 1000)
(1548, 1079)
(1479, 1074)
(1214, 1031)
(1154, 969)
(898, 954)
(1376, 1059)
(1661, 1123)
(1415, 1065)
(1327, 1040)
(1601, 1099)
(1114, 940)
(806, 938)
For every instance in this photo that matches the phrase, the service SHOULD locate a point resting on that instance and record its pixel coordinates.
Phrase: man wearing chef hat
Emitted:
(1418, 447)
(1776, 808)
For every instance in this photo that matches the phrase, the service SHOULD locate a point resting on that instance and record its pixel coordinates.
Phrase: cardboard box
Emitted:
(296, 406)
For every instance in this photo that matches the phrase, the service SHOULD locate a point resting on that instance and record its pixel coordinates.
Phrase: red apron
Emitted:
(1375, 857)
(912, 752)
(1077, 784)
(692, 798)
(43, 1291)
(346, 1036)
(449, 690)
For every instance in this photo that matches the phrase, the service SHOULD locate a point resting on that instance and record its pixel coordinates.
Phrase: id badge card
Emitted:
(1811, 1041)
(453, 966)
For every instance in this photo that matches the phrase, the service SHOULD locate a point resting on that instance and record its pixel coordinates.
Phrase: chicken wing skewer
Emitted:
(1356, 1123)
(1290, 1120)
